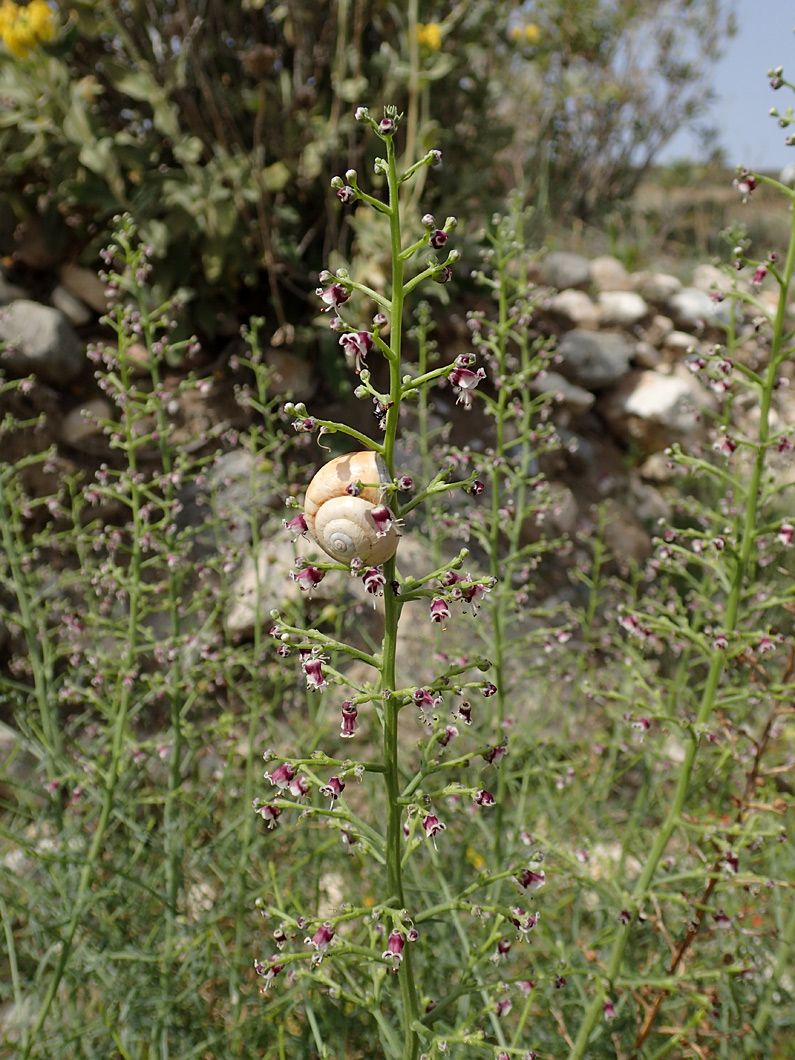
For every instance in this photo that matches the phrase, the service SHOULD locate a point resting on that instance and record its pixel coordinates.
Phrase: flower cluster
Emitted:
(23, 28)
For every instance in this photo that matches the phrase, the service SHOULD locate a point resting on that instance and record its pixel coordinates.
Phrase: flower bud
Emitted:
(362, 114)
(337, 183)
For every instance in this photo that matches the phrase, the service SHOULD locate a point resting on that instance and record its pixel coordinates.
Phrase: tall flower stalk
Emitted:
(409, 817)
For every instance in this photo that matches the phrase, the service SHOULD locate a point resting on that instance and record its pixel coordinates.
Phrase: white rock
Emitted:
(679, 342)
(652, 410)
(73, 308)
(608, 274)
(622, 308)
(574, 308)
(709, 278)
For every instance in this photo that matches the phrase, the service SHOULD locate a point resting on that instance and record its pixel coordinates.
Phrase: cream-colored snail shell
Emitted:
(341, 524)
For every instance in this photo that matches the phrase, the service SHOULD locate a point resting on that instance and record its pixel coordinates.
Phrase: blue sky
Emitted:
(747, 132)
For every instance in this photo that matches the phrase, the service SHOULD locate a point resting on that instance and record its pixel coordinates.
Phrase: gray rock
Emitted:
(656, 287)
(622, 308)
(290, 375)
(80, 424)
(594, 360)
(561, 269)
(40, 340)
(263, 585)
(572, 397)
(85, 285)
(646, 355)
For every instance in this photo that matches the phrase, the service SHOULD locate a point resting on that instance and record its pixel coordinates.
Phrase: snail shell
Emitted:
(342, 525)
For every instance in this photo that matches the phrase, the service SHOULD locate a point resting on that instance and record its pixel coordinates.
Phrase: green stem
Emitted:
(392, 609)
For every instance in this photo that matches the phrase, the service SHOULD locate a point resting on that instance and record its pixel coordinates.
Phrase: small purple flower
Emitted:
(494, 755)
(759, 275)
(426, 701)
(387, 126)
(348, 726)
(320, 940)
(308, 578)
(484, 798)
(346, 194)
(374, 580)
(299, 787)
(444, 275)
(745, 183)
(624, 917)
(393, 954)
(560, 982)
(721, 642)
(449, 733)
(268, 970)
(440, 611)
(384, 519)
(313, 669)
(476, 488)
(503, 947)
(356, 344)
(488, 689)
(308, 425)
(432, 826)
(464, 713)
(438, 238)
(786, 534)
(333, 789)
(609, 1010)
(405, 483)
(269, 814)
(731, 861)
(502, 1008)
(721, 920)
(464, 381)
(281, 776)
(530, 880)
(298, 525)
(524, 922)
(334, 295)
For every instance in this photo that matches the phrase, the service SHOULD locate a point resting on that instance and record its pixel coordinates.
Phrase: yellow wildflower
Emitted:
(430, 35)
(41, 19)
(530, 33)
(475, 859)
(22, 28)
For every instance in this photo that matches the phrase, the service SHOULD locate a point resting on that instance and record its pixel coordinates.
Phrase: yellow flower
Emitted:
(475, 859)
(22, 28)
(430, 35)
(41, 19)
(8, 14)
(530, 33)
